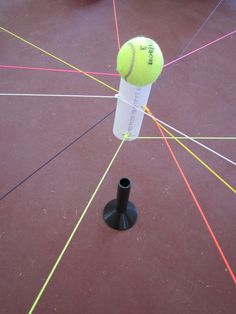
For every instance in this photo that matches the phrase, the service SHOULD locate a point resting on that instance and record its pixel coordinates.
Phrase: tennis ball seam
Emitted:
(132, 61)
(140, 61)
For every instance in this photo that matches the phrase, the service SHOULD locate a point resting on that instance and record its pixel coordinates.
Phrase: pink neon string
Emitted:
(196, 203)
(115, 74)
(54, 70)
(198, 49)
(116, 25)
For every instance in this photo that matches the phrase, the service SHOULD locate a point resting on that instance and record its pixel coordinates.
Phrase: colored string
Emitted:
(61, 151)
(199, 143)
(206, 20)
(54, 70)
(22, 39)
(57, 58)
(178, 131)
(74, 230)
(195, 34)
(57, 95)
(193, 154)
(112, 97)
(185, 147)
(200, 160)
(53, 56)
(195, 200)
(116, 25)
(200, 48)
(185, 138)
(113, 74)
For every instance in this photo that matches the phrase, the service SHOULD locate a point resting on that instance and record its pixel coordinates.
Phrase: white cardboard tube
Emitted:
(128, 120)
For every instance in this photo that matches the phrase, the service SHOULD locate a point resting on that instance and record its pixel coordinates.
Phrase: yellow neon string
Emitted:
(74, 230)
(194, 155)
(58, 59)
(110, 87)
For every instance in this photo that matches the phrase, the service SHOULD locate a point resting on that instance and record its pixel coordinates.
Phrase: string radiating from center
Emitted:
(57, 58)
(116, 24)
(200, 210)
(74, 230)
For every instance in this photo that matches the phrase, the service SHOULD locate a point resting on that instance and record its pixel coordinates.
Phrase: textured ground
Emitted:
(53, 152)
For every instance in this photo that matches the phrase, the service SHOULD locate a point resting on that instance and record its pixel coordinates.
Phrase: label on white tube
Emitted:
(128, 120)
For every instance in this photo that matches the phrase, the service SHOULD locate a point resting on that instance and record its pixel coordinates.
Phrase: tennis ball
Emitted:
(140, 61)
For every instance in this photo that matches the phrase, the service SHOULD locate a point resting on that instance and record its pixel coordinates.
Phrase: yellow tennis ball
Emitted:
(140, 61)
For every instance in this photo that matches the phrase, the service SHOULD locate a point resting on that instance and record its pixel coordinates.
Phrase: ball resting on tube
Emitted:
(139, 62)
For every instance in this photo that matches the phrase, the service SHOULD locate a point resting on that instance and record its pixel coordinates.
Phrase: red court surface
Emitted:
(180, 256)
